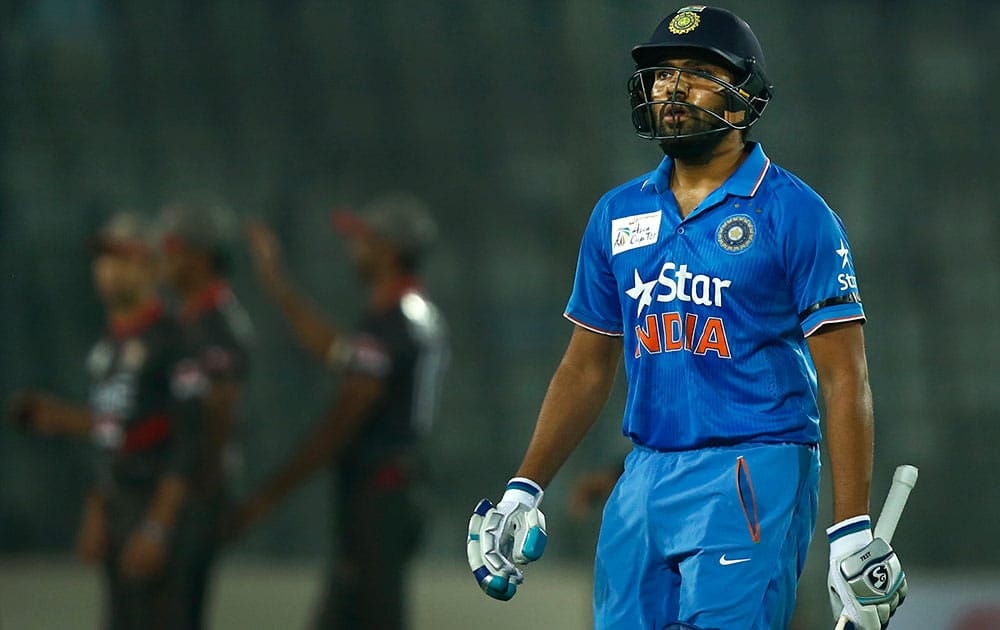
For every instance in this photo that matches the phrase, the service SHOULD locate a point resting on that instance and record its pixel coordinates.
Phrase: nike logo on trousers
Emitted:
(726, 562)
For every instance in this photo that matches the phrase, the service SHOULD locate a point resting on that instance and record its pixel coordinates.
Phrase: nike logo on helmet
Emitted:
(726, 562)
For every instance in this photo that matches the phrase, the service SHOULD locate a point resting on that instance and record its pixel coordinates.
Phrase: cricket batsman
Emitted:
(729, 287)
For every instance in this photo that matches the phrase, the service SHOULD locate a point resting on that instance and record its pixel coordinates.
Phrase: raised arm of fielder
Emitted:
(49, 415)
(866, 580)
(579, 389)
(312, 329)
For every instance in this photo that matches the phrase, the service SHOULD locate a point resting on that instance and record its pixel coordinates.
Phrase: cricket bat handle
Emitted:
(903, 481)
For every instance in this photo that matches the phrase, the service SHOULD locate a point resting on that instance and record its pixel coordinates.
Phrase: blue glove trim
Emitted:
(484, 506)
(534, 544)
(526, 487)
(481, 574)
(850, 528)
(494, 585)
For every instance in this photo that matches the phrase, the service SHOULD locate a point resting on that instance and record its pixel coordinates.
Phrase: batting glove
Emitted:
(500, 538)
(866, 581)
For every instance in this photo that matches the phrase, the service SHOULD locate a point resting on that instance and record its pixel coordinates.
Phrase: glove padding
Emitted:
(866, 585)
(500, 538)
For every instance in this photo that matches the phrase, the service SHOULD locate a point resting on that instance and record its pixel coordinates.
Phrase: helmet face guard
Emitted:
(707, 34)
(742, 108)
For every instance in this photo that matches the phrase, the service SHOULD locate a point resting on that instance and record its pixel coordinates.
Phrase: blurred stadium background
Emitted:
(511, 119)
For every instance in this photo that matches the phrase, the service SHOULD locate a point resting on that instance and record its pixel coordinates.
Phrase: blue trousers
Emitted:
(716, 538)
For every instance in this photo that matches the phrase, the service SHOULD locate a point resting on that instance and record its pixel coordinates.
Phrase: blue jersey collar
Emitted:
(745, 182)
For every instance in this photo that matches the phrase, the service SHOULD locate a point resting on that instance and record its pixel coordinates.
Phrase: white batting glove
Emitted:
(866, 581)
(502, 537)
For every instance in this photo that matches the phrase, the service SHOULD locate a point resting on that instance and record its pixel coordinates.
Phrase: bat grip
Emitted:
(903, 480)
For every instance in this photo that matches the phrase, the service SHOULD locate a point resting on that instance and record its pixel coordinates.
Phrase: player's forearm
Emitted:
(574, 399)
(76, 420)
(169, 498)
(850, 442)
(220, 415)
(94, 500)
(327, 441)
(315, 452)
(311, 328)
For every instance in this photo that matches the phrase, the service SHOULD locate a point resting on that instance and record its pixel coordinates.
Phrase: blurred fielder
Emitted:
(729, 286)
(392, 365)
(195, 245)
(146, 421)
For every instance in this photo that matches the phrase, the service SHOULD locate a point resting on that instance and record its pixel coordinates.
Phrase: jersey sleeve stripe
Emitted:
(835, 320)
(600, 331)
(850, 298)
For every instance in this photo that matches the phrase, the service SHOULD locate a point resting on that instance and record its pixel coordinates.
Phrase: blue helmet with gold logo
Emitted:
(711, 34)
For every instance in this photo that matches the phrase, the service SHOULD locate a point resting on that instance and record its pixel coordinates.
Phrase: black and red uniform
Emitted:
(147, 404)
(403, 342)
(219, 331)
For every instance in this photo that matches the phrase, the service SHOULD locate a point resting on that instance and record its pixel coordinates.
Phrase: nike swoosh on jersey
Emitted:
(726, 562)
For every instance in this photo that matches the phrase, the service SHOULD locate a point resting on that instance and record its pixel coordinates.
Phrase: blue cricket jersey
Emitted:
(715, 309)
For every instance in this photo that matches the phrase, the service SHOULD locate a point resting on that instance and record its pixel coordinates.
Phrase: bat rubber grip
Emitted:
(903, 481)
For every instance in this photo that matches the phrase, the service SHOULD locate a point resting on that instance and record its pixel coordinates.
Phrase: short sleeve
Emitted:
(820, 268)
(369, 355)
(595, 303)
(225, 362)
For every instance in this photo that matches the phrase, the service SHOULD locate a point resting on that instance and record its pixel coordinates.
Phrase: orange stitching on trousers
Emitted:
(752, 523)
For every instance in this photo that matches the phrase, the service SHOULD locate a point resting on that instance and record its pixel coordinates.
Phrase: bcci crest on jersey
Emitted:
(735, 234)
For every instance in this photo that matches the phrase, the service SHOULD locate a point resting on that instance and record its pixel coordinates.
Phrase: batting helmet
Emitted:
(712, 34)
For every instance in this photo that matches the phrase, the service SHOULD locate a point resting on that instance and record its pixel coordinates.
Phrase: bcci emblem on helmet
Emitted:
(685, 21)
(735, 234)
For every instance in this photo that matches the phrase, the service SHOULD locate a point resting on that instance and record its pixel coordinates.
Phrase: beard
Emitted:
(696, 141)
(694, 149)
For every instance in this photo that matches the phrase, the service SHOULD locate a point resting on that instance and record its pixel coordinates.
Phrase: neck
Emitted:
(203, 296)
(125, 306)
(713, 171)
(123, 314)
(387, 288)
(196, 286)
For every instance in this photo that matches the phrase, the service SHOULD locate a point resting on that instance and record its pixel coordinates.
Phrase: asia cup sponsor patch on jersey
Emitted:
(735, 234)
(638, 230)
(188, 380)
(100, 358)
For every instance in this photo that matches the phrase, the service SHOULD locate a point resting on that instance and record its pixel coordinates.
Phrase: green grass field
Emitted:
(59, 594)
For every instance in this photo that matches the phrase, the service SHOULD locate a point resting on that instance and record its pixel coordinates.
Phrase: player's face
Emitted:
(364, 254)
(372, 256)
(686, 89)
(177, 263)
(121, 280)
